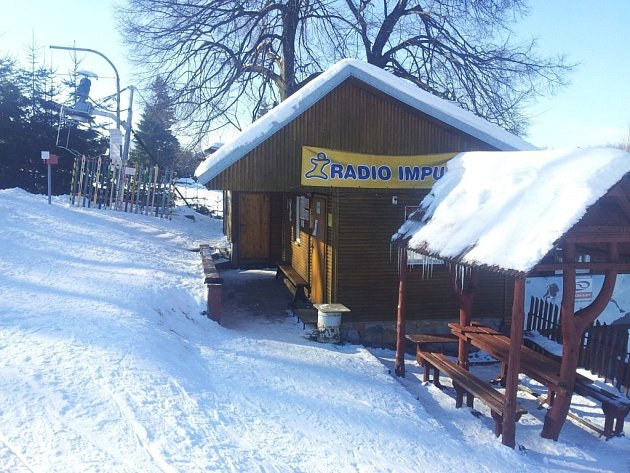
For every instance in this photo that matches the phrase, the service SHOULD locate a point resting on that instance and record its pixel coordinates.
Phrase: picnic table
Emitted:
(546, 371)
(535, 365)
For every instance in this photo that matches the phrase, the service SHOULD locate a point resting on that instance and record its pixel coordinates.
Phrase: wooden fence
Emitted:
(138, 189)
(544, 318)
(605, 353)
(604, 348)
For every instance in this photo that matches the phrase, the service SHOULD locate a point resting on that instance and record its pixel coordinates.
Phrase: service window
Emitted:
(299, 215)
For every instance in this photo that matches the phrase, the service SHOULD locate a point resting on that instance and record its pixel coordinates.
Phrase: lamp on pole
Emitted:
(70, 48)
(85, 111)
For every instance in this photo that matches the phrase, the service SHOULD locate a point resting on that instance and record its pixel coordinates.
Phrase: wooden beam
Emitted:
(586, 316)
(399, 368)
(556, 416)
(596, 267)
(465, 296)
(621, 199)
(508, 437)
(598, 234)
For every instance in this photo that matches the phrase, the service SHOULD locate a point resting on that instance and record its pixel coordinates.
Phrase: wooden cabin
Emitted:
(323, 181)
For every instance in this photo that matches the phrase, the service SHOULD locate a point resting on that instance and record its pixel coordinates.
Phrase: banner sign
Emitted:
(587, 286)
(330, 168)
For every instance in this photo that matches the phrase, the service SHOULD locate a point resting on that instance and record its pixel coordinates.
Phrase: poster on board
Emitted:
(587, 286)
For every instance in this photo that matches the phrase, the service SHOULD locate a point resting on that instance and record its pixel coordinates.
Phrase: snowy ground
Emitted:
(106, 364)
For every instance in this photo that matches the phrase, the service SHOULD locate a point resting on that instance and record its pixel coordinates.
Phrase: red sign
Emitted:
(52, 159)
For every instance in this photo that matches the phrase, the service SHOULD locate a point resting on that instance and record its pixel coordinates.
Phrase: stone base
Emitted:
(383, 334)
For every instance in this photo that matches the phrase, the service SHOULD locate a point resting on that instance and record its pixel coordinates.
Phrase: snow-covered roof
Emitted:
(505, 210)
(400, 89)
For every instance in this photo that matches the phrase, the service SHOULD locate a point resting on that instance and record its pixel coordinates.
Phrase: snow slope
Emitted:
(108, 365)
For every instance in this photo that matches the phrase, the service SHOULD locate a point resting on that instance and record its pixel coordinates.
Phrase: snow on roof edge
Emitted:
(497, 223)
(311, 93)
(269, 123)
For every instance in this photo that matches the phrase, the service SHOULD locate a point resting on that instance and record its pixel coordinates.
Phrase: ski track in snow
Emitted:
(107, 365)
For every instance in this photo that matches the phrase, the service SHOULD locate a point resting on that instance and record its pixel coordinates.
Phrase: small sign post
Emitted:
(49, 159)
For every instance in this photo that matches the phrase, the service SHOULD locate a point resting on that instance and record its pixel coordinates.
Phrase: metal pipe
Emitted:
(70, 48)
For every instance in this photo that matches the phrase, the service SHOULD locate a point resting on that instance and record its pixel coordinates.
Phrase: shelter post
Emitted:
(557, 414)
(514, 362)
(465, 296)
(573, 326)
(401, 323)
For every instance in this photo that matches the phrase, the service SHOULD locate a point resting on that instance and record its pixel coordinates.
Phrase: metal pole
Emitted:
(49, 182)
(118, 122)
(125, 154)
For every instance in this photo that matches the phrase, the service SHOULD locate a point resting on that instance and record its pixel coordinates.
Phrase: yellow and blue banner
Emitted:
(330, 168)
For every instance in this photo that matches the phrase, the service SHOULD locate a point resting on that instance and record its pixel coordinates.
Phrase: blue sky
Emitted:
(593, 110)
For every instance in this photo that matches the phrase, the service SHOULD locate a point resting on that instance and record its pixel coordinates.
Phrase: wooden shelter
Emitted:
(528, 213)
(320, 183)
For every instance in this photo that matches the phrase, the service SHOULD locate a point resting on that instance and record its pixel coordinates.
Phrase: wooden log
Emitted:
(508, 437)
(399, 368)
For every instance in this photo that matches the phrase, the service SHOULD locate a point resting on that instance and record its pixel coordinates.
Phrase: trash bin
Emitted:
(329, 322)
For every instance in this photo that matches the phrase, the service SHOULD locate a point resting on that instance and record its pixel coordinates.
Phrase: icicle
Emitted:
(461, 273)
(424, 265)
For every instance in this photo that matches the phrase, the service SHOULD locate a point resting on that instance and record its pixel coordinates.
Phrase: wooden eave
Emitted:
(458, 261)
(581, 236)
(598, 234)
(620, 196)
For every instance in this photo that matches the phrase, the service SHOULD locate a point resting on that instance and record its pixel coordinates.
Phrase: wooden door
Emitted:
(318, 250)
(254, 212)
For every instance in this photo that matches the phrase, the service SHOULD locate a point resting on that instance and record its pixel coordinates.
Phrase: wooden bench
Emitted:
(615, 407)
(297, 281)
(422, 340)
(306, 315)
(213, 281)
(465, 382)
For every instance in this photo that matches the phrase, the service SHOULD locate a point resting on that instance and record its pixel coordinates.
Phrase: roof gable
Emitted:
(505, 210)
(402, 90)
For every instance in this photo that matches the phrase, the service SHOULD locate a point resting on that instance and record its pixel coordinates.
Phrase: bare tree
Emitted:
(229, 58)
(623, 143)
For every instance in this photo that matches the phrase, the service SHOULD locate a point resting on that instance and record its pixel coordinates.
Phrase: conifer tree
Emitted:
(155, 130)
(29, 120)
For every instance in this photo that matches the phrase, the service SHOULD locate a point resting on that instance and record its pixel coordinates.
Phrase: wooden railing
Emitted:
(544, 318)
(605, 353)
